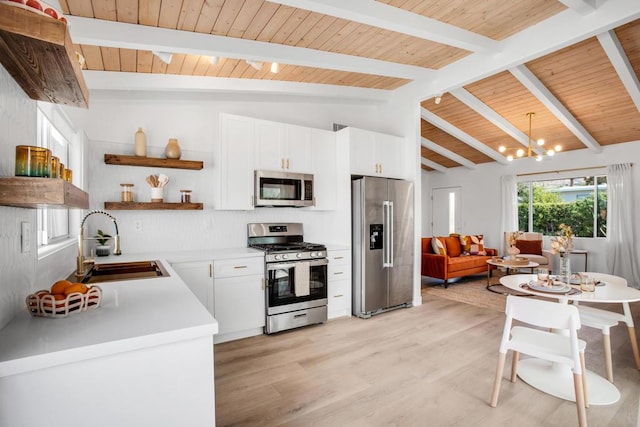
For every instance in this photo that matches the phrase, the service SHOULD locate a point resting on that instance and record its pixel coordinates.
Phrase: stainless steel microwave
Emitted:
(282, 189)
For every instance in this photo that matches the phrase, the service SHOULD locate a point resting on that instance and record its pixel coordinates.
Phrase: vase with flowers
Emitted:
(512, 250)
(562, 244)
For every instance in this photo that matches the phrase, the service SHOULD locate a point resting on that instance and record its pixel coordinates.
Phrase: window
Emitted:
(580, 202)
(53, 224)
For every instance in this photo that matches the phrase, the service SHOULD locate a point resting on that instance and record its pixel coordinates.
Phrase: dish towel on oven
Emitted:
(302, 278)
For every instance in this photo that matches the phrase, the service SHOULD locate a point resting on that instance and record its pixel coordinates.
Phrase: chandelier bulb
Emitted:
(538, 158)
(502, 149)
(558, 148)
(550, 153)
(541, 142)
(520, 152)
(510, 157)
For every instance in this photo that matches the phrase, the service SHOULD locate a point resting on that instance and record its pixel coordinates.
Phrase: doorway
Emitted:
(445, 211)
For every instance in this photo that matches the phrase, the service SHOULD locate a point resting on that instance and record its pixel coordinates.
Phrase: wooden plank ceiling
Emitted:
(576, 91)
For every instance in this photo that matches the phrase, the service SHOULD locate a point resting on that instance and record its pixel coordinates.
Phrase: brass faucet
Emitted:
(81, 261)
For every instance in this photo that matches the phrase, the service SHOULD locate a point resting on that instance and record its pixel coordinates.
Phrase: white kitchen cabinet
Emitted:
(199, 279)
(239, 301)
(282, 147)
(235, 164)
(325, 172)
(375, 153)
(339, 283)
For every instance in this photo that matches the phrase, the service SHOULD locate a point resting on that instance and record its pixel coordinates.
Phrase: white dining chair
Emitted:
(606, 319)
(552, 346)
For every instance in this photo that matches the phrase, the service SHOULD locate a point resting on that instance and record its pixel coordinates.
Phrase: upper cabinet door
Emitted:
(298, 149)
(376, 154)
(235, 165)
(362, 152)
(269, 145)
(325, 171)
(390, 156)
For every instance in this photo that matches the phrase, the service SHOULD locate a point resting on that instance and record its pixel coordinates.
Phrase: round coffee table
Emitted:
(515, 267)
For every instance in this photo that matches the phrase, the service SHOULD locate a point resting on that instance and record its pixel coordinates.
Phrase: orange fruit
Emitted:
(60, 286)
(58, 297)
(76, 287)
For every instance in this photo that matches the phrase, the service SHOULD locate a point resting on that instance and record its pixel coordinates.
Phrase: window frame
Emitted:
(596, 174)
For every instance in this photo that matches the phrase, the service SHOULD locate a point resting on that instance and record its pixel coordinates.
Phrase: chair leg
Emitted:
(514, 365)
(498, 380)
(634, 345)
(585, 392)
(606, 342)
(582, 412)
(446, 283)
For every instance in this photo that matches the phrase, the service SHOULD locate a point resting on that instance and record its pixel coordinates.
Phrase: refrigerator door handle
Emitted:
(386, 224)
(391, 233)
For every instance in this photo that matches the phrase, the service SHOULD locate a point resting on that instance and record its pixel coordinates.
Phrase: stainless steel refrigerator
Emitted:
(383, 245)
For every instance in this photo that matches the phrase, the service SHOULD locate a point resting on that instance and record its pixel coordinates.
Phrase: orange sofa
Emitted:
(455, 262)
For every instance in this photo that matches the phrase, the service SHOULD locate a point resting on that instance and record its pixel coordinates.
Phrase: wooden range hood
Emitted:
(37, 51)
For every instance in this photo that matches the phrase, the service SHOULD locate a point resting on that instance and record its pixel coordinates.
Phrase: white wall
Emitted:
(481, 212)
(21, 273)
(110, 125)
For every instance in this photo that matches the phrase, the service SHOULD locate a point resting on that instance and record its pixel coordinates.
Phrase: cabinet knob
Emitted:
(210, 270)
(337, 272)
(239, 266)
(287, 163)
(338, 296)
(282, 163)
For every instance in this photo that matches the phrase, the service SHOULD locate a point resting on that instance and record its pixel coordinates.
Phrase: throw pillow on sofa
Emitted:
(438, 246)
(473, 244)
(454, 248)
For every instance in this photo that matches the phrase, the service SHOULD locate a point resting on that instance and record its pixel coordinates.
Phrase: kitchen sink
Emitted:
(125, 271)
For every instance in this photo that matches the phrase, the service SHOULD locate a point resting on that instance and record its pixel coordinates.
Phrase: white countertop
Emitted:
(134, 314)
(186, 256)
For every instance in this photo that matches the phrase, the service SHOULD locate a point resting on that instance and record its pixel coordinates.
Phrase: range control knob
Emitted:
(313, 254)
(299, 255)
(277, 257)
(285, 256)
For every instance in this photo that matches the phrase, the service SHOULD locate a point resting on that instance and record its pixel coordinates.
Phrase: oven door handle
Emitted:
(282, 265)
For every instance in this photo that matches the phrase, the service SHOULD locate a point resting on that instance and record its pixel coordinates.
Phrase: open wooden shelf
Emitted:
(27, 192)
(145, 206)
(117, 159)
(37, 51)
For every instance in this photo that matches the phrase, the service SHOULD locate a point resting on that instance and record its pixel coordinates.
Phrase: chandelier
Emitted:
(520, 152)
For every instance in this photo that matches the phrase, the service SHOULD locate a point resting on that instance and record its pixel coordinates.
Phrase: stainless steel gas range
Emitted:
(296, 275)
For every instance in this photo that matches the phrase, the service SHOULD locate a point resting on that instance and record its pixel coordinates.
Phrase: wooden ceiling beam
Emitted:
(97, 32)
(544, 95)
(434, 165)
(583, 7)
(491, 115)
(104, 80)
(401, 21)
(614, 50)
(426, 143)
(559, 31)
(461, 135)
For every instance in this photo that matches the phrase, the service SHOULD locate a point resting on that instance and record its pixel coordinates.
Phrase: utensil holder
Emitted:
(156, 194)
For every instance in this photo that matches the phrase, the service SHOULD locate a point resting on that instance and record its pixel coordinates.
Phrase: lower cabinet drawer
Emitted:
(339, 298)
(238, 267)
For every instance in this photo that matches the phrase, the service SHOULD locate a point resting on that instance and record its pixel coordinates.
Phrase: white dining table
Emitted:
(557, 379)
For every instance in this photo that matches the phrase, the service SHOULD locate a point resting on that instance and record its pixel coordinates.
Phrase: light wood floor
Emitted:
(431, 365)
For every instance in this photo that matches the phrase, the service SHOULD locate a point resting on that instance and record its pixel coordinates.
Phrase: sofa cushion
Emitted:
(438, 245)
(472, 244)
(453, 246)
(467, 263)
(533, 247)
